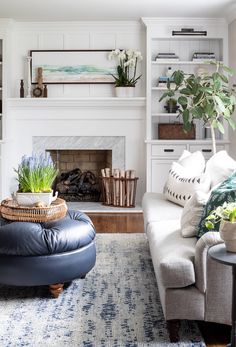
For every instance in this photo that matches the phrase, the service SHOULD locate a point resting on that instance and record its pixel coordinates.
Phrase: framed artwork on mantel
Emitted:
(72, 66)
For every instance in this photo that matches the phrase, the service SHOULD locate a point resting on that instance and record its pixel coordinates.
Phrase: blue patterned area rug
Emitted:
(117, 305)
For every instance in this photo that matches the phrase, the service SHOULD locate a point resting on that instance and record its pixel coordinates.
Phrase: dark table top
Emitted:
(219, 253)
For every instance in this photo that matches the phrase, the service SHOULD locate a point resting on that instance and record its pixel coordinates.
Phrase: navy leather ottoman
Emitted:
(51, 253)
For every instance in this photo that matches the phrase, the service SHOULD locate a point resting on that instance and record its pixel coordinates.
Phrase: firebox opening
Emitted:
(79, 172)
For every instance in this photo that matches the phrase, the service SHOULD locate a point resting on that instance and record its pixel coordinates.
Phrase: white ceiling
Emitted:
(79, 10)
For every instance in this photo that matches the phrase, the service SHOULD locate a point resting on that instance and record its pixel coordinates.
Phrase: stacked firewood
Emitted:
(119, 187)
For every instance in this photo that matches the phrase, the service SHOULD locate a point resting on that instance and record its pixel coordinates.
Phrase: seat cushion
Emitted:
(29, 239)
(157, 208)
(172, 255)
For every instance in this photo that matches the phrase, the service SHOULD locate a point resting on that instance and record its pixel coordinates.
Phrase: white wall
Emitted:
(24, 123)
(80, 35)
(232, 63)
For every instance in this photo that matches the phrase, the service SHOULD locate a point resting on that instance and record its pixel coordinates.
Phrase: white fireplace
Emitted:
(69, 124)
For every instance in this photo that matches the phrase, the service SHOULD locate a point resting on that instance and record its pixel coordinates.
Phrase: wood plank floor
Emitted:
(215, 335)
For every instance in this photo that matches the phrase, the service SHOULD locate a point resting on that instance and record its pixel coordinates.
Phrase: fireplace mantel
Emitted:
(105, 102)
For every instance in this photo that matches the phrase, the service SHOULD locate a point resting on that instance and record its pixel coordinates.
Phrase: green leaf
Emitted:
(178, 77)
(209, 225)
(228, 69)
(232, 123)
(186, 91)
(164, 95)
(182, 100)
(220, 103)
(220, 127)
(186, 120)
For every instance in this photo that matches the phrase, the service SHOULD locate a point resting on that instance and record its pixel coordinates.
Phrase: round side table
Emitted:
(219, 254)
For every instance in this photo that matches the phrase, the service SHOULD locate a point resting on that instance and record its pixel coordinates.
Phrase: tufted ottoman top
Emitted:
(28, 239)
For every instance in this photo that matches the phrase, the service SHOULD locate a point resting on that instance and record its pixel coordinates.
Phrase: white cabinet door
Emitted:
(160, 171)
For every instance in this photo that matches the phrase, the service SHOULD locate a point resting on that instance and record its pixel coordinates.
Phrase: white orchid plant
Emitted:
(127, 67)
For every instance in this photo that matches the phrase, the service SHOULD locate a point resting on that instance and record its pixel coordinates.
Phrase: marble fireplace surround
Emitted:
(114, 143)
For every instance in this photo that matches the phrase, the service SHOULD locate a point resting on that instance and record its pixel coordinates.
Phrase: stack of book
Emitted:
(162, 81)
(202, 56)
(166, 56)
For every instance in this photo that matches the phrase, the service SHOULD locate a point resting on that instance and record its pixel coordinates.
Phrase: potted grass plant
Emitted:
(207, 97)
(125, 78)
(35, 175)
(226, 216)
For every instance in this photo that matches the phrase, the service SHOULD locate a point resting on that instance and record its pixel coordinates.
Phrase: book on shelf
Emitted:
(166, 56)
(201, 56)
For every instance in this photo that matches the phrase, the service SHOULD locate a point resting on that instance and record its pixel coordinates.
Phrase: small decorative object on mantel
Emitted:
(22, 91)
(29, 76)
(189, 32)
(36, 175)
(38, 90)
(125, 79)
(226, 216)
(119, 189)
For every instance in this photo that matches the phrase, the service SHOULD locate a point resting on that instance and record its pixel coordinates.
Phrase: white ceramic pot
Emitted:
(125, 92)
(30, 199)
(228, 234)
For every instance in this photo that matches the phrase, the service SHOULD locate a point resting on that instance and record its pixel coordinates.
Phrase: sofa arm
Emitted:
(208, 240)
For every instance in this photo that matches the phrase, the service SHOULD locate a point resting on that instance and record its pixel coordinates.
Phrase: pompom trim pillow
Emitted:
(182, 184)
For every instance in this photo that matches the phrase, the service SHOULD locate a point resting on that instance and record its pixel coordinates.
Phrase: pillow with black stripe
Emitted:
(182, 184)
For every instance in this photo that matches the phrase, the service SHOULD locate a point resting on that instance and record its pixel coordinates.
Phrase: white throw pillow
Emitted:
(219, 167)
(192, 213)
(193, 161)
(182, 184)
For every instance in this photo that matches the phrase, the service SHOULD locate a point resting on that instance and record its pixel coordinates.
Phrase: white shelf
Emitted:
(195, 141)
(77, 102)
(164, 114)
(161, 88)
(179, 62)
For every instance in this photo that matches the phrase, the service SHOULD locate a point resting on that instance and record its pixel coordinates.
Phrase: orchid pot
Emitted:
(124, 92)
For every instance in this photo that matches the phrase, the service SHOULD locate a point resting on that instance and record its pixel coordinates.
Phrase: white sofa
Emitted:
(191, 285)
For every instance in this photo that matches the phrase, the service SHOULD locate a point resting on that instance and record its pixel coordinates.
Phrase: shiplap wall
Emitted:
(80, 35)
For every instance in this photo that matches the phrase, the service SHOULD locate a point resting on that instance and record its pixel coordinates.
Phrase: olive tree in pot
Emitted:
(206, 97)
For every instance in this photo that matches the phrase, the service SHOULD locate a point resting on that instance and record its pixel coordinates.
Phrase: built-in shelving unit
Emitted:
(160, 152)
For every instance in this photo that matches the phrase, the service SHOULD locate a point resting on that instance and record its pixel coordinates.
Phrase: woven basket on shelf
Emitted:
(12, 211)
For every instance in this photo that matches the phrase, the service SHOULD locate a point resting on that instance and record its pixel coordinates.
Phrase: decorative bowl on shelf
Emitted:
(30, 199)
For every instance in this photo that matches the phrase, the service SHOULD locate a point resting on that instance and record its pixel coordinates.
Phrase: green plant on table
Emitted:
(36, 173)
(226, 212)
(126, 68)
(207, 97)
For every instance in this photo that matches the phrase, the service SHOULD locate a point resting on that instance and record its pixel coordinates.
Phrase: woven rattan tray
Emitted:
(12, 211)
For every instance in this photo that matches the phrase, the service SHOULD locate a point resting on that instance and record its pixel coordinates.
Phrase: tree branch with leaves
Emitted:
(207, 97)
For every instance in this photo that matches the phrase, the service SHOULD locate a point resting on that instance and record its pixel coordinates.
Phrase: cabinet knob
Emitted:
(206, 150)
(168, 150)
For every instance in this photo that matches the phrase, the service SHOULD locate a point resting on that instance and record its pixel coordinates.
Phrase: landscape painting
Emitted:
(72, 66)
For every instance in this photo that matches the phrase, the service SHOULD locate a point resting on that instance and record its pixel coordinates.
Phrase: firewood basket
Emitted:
(118, 192)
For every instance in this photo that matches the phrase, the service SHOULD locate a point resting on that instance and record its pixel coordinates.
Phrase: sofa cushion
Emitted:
(156, 208)
(193, 161)
(220, 166)
(192, 213)
(172, 255)
(226, 191)
(182, 184)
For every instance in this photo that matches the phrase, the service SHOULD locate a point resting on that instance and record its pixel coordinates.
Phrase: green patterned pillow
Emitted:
(225, 192)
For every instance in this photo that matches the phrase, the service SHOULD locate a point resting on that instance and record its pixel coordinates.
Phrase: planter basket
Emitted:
(119, 192)
(228, 234)
(12, 211)
(169, 131)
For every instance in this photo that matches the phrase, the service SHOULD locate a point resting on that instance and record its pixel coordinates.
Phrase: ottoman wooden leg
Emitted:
(56, 289)
(173, 329)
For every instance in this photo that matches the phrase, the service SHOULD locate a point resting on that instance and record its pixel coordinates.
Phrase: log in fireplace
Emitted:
(79, 173)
